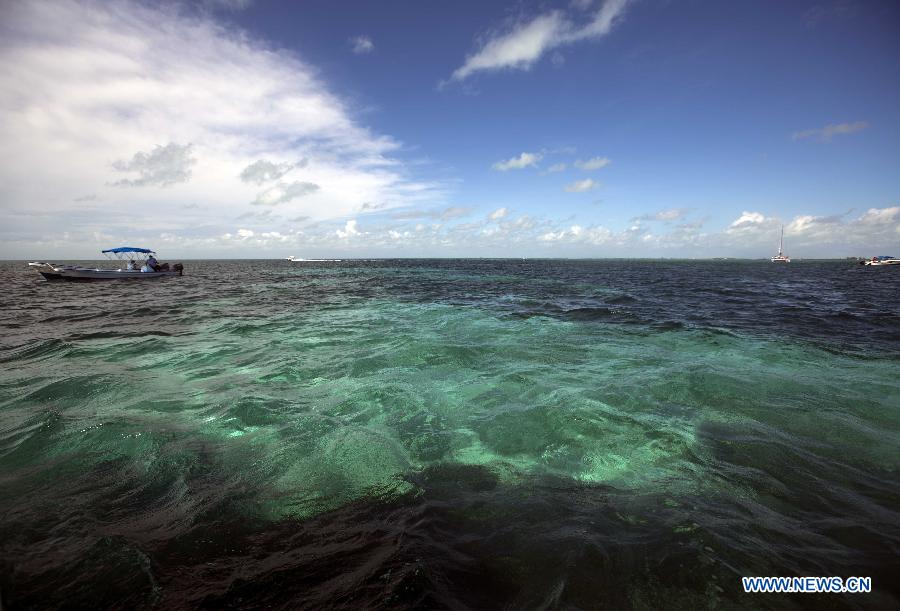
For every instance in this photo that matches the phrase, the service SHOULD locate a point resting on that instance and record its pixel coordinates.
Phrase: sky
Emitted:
(325, 128)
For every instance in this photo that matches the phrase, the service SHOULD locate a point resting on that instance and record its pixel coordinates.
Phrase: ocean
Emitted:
(450, 434)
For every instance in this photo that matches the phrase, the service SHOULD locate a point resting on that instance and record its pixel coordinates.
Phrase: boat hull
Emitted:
(99, 275)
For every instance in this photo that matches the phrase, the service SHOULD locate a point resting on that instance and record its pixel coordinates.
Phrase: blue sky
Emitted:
(585, 128)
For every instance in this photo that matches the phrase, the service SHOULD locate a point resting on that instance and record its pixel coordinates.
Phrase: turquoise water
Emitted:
(450, 433)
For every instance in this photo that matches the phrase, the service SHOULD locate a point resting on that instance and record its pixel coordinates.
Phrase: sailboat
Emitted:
(781, 257)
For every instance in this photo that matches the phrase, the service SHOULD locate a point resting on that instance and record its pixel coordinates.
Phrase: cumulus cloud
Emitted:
(593, 164)
(525, 43)
(580, 186)
(807, 222)
(498, 214)
(595, 235)
(873, 231)
(86, 84)
(748, 221)
(348, 231)
(161, 167)
(263, 170)
(525, 160)
(876, 228)
(806, 235)
(881, 216)
(825, 134)
(361, 45)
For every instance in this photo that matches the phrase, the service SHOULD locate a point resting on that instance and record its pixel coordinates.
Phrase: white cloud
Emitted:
(349, 230)
(284, 192)
(595, 235)
(580, 186)
(552, 236)
(83, 84)
(399, 235)
(498, 214)
(263, 170)
(673, 214)
(525, 43)
(805, 235)
(868, 233)
(825, 134)
(808, 223)
(518, 49)
(881, 216)
(748, 221)
(521, 162)
(161, 167)
(874, 228)
(593, 164)
(245, 233)
(362, 44)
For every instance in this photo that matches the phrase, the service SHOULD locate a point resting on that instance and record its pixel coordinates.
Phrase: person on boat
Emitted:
(152, 263)
(130, 266)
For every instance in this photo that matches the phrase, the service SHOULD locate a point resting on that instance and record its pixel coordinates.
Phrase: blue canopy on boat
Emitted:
(127, 249)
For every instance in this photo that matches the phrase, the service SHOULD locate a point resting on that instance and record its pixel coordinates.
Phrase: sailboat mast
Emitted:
(781, 243)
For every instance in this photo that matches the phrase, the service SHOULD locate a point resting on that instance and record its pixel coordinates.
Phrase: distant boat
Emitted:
(139, 270)
(882, 260)
(294, 259)
(781, 257)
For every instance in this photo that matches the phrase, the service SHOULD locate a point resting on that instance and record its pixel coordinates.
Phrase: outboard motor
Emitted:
(178, 267)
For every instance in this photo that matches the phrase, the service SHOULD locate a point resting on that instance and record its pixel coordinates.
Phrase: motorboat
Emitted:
(781, 257)
(294, 259)
(136, 266)
(881, 260)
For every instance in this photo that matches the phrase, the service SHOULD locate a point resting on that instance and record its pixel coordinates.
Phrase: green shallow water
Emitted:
(314, 390)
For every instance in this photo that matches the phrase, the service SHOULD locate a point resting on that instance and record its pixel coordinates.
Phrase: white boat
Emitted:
(781, 257)
(882, 260)
(294, 259)
(136, 268)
